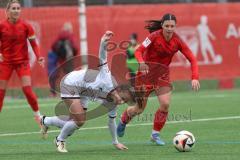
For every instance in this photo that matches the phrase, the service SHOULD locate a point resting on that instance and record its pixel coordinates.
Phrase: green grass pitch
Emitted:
(212, 116)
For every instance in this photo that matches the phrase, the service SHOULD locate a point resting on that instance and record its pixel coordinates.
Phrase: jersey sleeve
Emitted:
(30, 32)
(102, 53)
(190, 57)
(103, 66)
(32, 39)
(0, 31)
(1, 27)
(143, 47)
(0, 35)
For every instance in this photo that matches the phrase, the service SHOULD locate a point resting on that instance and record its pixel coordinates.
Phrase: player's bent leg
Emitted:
(121, 129)
(76, 111)
(57, 121)
(78, 117)
(125, 119)
(131, 112)
(127, 115)
(160, 118)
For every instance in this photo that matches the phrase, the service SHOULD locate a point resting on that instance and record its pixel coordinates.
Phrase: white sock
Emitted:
(37, 113)
(113, 129)
(67, 130)
(154, 132)
(56, 121)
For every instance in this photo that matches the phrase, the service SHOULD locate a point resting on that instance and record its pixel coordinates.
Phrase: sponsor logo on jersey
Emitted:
(146, 42)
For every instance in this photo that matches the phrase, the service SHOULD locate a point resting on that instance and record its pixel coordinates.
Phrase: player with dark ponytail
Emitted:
(154, 56)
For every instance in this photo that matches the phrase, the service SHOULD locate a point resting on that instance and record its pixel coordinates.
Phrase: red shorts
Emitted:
(153, 81)
(22, 69)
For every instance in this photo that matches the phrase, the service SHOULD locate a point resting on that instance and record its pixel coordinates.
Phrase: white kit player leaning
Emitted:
(77, 88)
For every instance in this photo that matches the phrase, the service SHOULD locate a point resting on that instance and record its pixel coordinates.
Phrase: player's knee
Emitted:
(79, 119)
(79, 123)
(165, 107)
(137, 111)
(134, 111)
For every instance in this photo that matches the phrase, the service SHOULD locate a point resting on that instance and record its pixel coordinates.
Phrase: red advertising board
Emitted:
(212, 31)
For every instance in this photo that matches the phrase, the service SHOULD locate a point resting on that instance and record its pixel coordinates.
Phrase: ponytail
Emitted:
(154, 25)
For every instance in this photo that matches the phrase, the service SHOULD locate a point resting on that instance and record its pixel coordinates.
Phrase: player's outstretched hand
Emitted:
(195, 85)
(1, 57)
(41, 61)
(107, 36)
(120, 146)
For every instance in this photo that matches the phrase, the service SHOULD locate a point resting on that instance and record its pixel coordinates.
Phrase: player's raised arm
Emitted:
(102, 49)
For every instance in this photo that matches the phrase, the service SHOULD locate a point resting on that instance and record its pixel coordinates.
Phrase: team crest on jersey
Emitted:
(146, 42)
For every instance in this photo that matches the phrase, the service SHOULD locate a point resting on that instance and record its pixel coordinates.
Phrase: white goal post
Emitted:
(83, 31)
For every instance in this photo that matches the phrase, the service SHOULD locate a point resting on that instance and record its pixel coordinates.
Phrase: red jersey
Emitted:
(156, 49)
(13, 41)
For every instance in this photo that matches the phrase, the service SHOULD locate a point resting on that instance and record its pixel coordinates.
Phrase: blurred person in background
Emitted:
(14, 34)
(132, 63)
(63, 49)
(154, 56)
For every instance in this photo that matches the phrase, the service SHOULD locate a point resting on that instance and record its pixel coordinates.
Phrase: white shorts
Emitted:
(74, 85)
(71, 92)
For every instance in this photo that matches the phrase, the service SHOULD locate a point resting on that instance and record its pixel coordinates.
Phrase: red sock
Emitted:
(2, 95)
(159, 120)
(125, 117)
(31, 98)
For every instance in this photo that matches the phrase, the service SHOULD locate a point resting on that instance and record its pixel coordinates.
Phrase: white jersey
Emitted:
(88, 84)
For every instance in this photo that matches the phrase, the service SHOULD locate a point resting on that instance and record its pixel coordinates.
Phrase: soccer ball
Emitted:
(184, 141)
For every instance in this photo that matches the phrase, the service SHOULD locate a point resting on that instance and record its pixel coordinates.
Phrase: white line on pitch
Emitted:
(53, 104)
(27, 106)
(133, 125)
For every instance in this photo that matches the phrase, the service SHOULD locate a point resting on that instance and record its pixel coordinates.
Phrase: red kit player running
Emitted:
(14, 34)
(158, 50)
